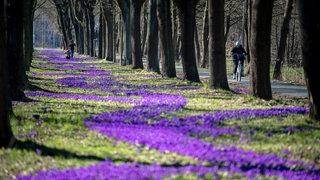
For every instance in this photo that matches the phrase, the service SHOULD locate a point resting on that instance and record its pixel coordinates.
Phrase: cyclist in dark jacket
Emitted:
(237, 53)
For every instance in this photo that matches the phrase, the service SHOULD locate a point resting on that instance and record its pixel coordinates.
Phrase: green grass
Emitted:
(65, 142)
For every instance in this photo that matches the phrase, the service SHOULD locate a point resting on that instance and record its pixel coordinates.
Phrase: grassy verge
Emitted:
(51, 133)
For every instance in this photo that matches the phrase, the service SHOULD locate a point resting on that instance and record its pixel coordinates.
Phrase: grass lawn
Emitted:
(93, 119)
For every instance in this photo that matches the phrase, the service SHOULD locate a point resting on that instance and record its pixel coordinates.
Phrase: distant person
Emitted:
(238, 54)
(72, 45)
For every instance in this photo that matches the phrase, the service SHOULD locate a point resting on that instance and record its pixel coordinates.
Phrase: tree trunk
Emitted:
(17, 74)
(168, 68)
(6, 135)
(153, 39)
(101, 35)
(260, 85)
(62, 27)
(197, 45)
(205, 39)
(110, 30)
(217, 51)
(310, 24)
(135, 33)
(92, 33)
(187, 19)
(28, 31)
(145, 28)
(175, 29)
(283, 40)
(80, 46)
(125, 12)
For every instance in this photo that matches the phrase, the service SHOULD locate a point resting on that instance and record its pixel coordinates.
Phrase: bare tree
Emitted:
(28, 13)
(124, 6)
(108, 10)
(260, 27)
(217, 52)
(165, 27)
(310, 24)
(15, 34)
(153, 39)
(6, 135)
(204, 38)
(135, 10)
(283, 40)
(187, 19)
(77, 18)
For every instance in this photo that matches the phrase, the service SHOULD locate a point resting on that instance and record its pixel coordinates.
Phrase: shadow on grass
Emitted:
(54, 152)
(33, 87)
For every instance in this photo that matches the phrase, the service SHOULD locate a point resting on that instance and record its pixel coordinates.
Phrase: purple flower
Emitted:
(142, 126)
(267, 134)
(38, 151)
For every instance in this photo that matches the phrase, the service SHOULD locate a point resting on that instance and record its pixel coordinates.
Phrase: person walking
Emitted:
(238, 54)
(72, 45)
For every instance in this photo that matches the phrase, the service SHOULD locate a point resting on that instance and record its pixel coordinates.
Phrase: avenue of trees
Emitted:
(166, 31)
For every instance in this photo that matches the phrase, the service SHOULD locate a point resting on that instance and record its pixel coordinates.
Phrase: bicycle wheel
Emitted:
(238, 74)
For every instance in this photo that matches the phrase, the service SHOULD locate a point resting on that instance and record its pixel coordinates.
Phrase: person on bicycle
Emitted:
(238, 54)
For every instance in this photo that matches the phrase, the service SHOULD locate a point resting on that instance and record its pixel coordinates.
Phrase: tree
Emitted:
(204, 38)
(187, 22)
(102, 33)
(77, 18)
(63, 10)
(6, 135)
(124, 6)
(135, 10)
(310, 25)
(217, 52)
(260, 29)
(109, 18)
(165, 28)
(15, 35)
(153, 39)
(28, 13)
(283, 40)
(89, 21)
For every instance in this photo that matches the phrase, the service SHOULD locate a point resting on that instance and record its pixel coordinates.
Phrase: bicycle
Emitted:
(239, 71)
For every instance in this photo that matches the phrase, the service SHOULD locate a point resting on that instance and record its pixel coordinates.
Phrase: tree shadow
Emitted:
(53, 152)
(33, 87)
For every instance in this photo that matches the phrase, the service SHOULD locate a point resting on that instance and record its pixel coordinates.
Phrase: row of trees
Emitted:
(77, 17)
(108, 17)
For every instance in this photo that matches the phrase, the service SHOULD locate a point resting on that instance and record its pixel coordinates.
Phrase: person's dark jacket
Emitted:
(238, 51)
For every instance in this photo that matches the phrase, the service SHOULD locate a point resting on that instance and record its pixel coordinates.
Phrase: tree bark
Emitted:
(168, 68)
(17, 74)
(197, 45)
(92, 32)
(310, 25)
(217, 51)
(260, 85)
(135, 11)
(6, 135)
(109, 15)
(28, 31)
(283, 40)
(124, 6)
(204, 38)
(153, 39)
(187, 19)
(145, 28)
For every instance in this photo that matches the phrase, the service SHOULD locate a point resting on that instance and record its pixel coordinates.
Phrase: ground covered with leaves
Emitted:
(93, 119)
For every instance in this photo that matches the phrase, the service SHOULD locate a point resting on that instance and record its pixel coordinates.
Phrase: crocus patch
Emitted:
(142, 126)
